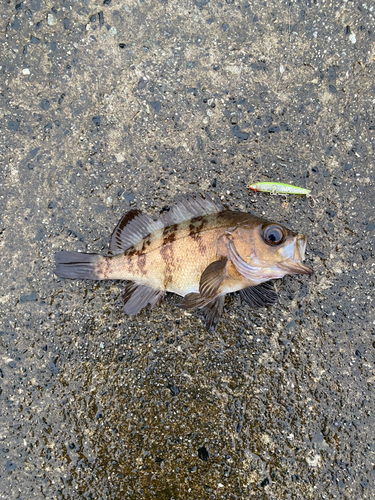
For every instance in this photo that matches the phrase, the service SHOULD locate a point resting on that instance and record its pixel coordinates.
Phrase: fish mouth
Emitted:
(295, 268)
(293, 255)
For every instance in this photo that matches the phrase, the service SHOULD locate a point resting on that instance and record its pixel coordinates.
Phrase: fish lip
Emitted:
(301, 242)
(294, 265)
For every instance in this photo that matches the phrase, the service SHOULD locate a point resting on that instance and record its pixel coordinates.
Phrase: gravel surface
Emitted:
(126, 103)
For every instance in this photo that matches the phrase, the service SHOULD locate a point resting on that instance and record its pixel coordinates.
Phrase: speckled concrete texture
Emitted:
(126, 103)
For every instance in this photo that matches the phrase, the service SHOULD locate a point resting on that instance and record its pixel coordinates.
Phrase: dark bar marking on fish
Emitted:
(141, 263)
(169, 239)
(196, 225)
(199, 240)
(104, 269)
(167, 254)
(170, 229)
(130, 264)
(146, 243)
(260, 295)
(169, 234)
(132, 251)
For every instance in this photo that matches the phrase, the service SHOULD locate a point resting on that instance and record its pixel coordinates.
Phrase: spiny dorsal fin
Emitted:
(260, 295)
(134, 226)
(190, 206)
(131, 228)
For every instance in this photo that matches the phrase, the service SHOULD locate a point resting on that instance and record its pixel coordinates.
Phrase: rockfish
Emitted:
(198, 250)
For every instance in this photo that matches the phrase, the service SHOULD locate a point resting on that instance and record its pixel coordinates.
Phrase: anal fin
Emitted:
(136, 297)
(260, 295)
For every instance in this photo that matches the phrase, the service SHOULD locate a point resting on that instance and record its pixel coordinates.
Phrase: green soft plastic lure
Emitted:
(278, 188)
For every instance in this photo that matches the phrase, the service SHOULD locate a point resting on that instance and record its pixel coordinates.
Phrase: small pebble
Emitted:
(26, 71)
(32, 297)
(51, 19)
(44, 104)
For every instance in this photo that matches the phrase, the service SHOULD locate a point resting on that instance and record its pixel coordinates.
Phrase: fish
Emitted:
(198, 250)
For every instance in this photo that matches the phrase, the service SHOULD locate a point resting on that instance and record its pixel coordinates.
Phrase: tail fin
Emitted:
(76, 265)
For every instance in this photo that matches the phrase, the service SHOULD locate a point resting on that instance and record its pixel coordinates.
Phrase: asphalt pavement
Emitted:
(108, 106)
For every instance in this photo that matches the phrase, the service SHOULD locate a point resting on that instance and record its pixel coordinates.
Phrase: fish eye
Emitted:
(273, 234)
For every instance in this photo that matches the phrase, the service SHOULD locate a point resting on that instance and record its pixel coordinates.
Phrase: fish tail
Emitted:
(77, 265)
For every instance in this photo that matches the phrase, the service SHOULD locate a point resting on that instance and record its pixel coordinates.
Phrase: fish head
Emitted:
(271, 249)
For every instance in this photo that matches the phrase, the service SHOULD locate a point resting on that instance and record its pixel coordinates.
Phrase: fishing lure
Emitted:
(280, 188)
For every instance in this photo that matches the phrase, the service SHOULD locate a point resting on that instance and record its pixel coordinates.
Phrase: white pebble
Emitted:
(51, 19)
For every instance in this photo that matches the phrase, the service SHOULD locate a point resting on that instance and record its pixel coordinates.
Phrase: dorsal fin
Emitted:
(190, 206)
(132, 227)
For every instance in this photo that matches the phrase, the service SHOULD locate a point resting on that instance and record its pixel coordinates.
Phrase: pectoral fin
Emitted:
(260, 296)
(212, 277)
(209, 285)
